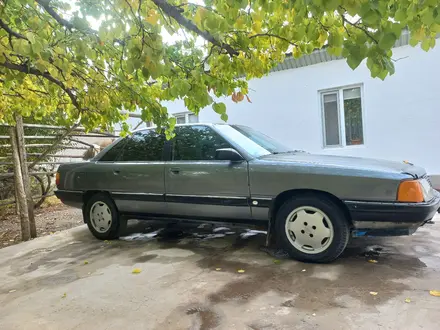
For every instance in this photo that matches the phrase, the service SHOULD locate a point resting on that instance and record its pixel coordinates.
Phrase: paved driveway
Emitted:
(189, 280)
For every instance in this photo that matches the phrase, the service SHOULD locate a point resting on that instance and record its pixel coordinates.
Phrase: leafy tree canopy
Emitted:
(85, 60)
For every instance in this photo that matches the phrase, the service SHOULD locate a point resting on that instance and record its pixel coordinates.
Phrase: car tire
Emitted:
(312, 228)
(102, 217)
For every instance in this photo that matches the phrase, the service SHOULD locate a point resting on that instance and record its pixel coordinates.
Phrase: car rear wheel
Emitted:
(102, 217)
(312, 228)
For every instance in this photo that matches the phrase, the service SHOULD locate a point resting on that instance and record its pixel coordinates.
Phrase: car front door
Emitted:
(138, 185)
(199, 186)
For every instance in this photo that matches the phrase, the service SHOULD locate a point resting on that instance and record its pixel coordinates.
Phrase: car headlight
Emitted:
(428, 192)
(415, 191)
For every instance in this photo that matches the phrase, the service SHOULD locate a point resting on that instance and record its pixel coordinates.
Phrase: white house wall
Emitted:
(401, 114)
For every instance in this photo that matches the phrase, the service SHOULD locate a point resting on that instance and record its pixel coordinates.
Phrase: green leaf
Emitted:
(353, 62)
(174, 91)
(37, 47)
(428, 17)
(413, 42)
(30, 37)
(389, 66)
(172, 122)
(387, 40)
(400, 15)
(145, 73)
(335, 51)
(335, 39)
(382, 75)
(220, 108)
(372, 17)
(137, 64)
(40, 65)
(426, 44)
(182, 86)
(224, 117)
(129, 66)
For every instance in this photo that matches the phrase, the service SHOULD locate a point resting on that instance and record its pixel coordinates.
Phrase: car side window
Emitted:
(143, 146)
(112, 155)
(197, 143)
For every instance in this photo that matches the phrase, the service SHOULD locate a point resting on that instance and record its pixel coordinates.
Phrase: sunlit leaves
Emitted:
(116, 55)
(152, 17)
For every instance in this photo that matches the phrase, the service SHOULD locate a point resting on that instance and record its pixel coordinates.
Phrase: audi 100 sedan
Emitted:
(312, 204)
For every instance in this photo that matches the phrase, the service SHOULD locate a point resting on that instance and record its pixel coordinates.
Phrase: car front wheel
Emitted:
(102, 217)
(312, 228)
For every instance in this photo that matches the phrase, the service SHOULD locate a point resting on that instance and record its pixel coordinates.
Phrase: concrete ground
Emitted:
(189, 279)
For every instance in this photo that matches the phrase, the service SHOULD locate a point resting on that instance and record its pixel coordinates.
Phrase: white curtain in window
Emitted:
(192, 118)
(331, 119)
(352, 93)
(180, 119)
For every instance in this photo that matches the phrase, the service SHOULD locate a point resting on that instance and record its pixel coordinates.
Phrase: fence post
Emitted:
(19, 188)
(25, 174)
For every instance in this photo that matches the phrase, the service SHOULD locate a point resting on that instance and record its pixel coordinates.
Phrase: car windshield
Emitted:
(255, 143)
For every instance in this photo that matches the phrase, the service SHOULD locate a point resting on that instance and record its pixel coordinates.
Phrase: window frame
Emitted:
(185, 115)
(341, 116)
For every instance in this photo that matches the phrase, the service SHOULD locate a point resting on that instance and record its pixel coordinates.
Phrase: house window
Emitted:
(181, 118)
(186, 118)
(342, 117)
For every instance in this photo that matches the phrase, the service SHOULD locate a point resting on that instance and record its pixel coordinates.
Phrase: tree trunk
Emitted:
(19, 188)
(17, 207)
(25, 174)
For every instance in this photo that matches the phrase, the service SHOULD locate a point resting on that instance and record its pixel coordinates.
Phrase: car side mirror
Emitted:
(228, 154)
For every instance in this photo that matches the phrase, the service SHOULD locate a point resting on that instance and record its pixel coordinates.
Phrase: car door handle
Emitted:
(116, 172)
(175, 170)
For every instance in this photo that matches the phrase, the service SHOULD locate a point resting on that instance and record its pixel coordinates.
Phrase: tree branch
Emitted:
(195, 5)
(14, 95)
(38, 91)
(35, 72)
(274, 36)
(5, 27)
(46, 5)
(357, 26)
(175, 13)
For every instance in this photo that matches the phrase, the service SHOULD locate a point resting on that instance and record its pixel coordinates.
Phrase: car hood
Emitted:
(366, 164)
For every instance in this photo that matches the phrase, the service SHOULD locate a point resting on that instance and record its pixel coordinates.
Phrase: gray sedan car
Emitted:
(312, 204)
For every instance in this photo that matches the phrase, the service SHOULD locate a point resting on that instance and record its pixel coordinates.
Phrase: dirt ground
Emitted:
(201, 277)
(51, 218)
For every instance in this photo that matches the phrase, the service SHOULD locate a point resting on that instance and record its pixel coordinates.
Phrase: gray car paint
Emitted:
(141, 178)
(343, 177)
(207, 178)
(268, 176)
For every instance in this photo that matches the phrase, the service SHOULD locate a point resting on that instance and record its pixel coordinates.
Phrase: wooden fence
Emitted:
(18, 167)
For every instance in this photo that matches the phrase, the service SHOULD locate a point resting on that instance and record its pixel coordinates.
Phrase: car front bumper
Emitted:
(390, 219)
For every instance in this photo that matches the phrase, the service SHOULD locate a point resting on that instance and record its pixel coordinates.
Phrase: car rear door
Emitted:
(199, 186)
(138, 185)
